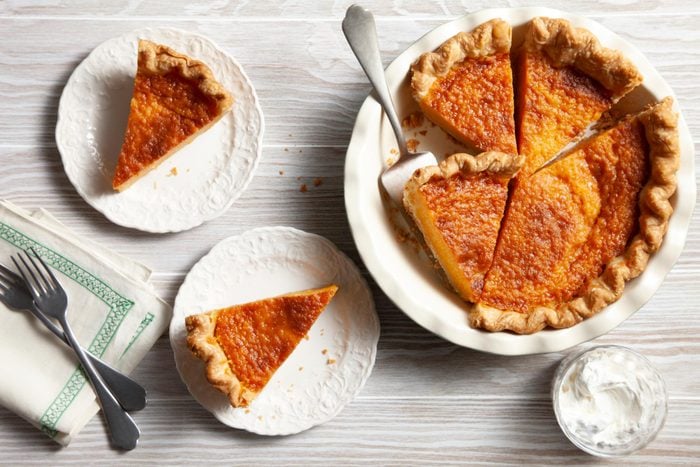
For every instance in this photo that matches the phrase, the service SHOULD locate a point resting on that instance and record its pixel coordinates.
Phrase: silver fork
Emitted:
(15, 295)
(51, 299)
(361, 34)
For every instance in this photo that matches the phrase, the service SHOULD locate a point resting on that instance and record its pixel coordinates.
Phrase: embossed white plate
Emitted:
(196, 184)
(410, 281)
(326, 370)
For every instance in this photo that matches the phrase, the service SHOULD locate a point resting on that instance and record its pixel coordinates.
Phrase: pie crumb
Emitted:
(330, 361)
(303, 188)
(318, 182)
(247, 410)
(423, 132)
(390, 161)
(306, 337)
(172, 172)
(413, 120)
(324, 351)
(260, 417)
(394, 151)
(301, 368)
(281, 172)
(412, 144)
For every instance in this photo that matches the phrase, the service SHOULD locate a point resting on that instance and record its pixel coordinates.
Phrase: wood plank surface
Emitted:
(428, 402)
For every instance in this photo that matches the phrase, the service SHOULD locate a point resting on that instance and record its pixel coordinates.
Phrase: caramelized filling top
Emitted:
(165, 110)
(475, 102)
(258, 337)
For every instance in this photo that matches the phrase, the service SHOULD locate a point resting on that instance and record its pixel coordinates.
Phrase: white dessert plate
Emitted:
(325, 371)
(409, 279)
(197, 183)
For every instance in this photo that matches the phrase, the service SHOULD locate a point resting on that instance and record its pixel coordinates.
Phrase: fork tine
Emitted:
(30, 286)
(10, 276)
(43, 281)
(55, 283)
(34, 284)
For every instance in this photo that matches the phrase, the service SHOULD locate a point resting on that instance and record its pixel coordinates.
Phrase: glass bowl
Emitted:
(624, 362)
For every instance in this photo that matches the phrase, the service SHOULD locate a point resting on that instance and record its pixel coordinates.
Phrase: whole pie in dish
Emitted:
(175, 99)
(577, 230)
(566, 80)
(466, 87)
(243, 345)
(553, 246)
(458, 207)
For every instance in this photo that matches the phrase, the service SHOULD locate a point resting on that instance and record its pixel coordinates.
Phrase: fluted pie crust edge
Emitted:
(661, 131)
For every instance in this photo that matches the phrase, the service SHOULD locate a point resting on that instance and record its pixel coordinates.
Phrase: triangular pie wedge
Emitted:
(175, 99)
(457, 207)
(466, 87)
(578, 230)
(565, 81)
(243, 345)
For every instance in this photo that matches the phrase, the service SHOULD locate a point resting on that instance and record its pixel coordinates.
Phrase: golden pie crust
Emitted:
(566, 81)
(466, 87)
(566, 45)
(175, 99)
(243, 345)
(457, 207)
(659, 129)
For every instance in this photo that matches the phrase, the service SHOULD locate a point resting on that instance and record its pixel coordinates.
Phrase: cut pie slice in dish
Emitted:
(565, 81)
(175, 99)
(466, 87)
(577, 230)
(244, 345)
(458, 206)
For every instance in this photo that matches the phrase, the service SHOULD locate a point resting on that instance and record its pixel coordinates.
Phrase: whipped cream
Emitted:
(611, 400)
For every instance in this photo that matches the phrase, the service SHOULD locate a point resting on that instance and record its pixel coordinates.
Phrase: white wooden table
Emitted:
(428, 401)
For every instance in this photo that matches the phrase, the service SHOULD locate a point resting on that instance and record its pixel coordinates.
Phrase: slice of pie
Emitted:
(577, 230)
(565, 81)
(466, 87)
(457, 206)
(175, 99)
(243, 345)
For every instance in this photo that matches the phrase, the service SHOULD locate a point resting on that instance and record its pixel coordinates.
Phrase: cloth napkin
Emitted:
(113, 311)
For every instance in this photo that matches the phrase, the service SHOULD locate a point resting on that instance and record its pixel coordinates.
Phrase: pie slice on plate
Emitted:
(565, 81)
(458, 206)
(466, 87)
(243, 345)
(577, 230)
(175, 99)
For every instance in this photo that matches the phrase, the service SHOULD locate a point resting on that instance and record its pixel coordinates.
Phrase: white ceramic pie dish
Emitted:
(197, 183)
(409, 279)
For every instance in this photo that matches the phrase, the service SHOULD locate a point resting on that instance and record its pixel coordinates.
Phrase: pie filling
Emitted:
(567, 221)
(554, 106)
(172, 109)
(474, 103)
(174, 99)
(459, 218)
(258, 337)
(244, 345)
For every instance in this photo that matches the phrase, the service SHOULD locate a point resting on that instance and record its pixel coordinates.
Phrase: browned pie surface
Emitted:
(474, 103)
(166, 109)
(554, 106)
(567, 221)
(460, 217)
(258, 337)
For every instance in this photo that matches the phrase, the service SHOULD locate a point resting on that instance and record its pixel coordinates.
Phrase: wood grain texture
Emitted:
(428, 402)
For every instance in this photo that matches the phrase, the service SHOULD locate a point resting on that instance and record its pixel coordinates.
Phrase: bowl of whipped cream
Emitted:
(609, 400)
